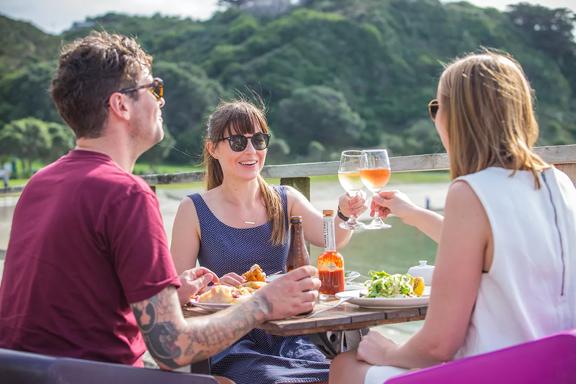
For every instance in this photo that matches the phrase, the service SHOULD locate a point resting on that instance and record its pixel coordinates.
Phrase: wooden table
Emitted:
(344, 317)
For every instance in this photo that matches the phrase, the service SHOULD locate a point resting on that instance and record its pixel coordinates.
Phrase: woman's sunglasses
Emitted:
(156, 87)
(433, 108)
(238, 143)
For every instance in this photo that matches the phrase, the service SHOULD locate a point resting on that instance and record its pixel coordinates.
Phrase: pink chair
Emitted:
(551, 359)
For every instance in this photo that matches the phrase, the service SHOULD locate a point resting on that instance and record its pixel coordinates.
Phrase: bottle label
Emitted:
(329, 234)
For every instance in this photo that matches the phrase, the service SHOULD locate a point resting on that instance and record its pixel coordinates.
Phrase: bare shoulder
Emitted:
(293, 194)
(187, 207)
(296, 200)
(461, 193)
(462, 204)
(186, 216)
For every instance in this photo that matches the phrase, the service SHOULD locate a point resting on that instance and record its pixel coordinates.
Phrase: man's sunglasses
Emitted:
(238, 143)
(156, 87)
(433, 108)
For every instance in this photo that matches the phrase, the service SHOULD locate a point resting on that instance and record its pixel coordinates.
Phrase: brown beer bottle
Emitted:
(330, 262)
(298, 253)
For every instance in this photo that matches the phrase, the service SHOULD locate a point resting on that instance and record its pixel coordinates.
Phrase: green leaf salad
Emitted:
(382, 284)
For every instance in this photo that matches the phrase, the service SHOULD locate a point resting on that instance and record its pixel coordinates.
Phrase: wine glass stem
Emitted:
(377, 220)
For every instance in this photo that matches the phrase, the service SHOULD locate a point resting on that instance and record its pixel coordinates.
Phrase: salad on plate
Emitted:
(383, 284)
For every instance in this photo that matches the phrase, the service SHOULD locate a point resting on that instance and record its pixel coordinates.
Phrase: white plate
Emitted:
(271, 278)
(351, 275)
(354, 286)
(212, 307)
(383, 302)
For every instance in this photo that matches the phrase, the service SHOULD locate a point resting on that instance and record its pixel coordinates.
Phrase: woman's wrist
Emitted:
(341, 215)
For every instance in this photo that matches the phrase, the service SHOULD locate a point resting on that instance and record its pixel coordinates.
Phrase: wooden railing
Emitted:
(298, 175)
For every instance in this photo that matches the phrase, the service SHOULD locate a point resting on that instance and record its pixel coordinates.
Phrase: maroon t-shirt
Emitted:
(87, 239)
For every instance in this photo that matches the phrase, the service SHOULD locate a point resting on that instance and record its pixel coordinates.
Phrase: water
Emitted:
(393, 250)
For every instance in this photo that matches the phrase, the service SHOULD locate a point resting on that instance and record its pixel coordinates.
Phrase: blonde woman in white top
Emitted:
(506, 264)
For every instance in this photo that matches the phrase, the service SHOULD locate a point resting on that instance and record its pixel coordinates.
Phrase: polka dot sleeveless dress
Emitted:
(257, 357)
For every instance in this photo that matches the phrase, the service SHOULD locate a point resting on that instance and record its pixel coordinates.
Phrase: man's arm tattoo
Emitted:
(174, 342)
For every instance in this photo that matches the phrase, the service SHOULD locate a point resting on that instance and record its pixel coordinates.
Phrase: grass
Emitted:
(392, 250)
(143, 168)
(401, 177)
(18, 182)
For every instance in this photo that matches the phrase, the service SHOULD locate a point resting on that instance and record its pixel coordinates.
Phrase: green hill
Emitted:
(21, 43)
(334, 74)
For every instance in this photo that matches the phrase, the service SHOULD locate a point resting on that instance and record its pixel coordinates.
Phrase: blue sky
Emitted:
(54, 16)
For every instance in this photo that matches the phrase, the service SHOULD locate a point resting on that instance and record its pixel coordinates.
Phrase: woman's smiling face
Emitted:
(245, 164)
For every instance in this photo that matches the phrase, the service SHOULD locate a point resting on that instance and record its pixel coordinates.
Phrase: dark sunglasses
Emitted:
(433, 108)
(156, 87)
(238, 143)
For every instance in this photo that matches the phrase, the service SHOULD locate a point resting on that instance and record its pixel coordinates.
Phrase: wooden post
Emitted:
(300, 183)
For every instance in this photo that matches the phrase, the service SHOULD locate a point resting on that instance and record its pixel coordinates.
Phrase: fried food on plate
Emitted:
(218, 294)
(255, 274)
(254, 284)
(224, 294)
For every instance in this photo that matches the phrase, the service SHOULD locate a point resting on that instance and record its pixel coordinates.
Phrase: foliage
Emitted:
(32, 139)
(190, 96)
(24, 92)
(22, 44)
(159, 152)
(334, 74)
(334, 123)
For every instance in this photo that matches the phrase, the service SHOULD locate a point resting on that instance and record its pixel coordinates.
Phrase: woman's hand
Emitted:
(232, 279)
(194, 282)
(352, 205)
(375, 349)
(394, 202)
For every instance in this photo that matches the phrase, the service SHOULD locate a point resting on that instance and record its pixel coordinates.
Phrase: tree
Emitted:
(278, 151)
(319, 114)
(27, 139)
(24, 93)
(190, 96)
(61, 140)
(155, 155)
(551, 30)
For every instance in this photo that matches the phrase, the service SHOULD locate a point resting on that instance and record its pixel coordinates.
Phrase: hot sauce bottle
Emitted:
(298, 253)
(330, 263)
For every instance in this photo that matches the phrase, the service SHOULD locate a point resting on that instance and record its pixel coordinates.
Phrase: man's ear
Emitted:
(118, 106)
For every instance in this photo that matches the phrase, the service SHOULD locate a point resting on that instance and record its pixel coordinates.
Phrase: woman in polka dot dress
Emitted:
(241, 220)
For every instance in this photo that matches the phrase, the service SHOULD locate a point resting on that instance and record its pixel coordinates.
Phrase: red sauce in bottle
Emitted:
(330, 263)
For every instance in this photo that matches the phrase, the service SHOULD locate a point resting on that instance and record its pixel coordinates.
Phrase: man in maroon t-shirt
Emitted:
(88, 273)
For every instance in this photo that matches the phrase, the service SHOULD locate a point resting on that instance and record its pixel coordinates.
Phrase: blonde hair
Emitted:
(241, 117)
(491, 121)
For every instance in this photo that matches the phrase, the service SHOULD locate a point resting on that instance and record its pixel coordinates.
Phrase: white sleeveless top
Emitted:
(530, 291)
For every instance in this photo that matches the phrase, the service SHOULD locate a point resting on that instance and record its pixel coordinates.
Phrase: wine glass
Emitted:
(375, 173)
(349, 177)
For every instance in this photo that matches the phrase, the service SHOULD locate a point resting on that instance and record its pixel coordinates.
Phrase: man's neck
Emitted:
(120, 152)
